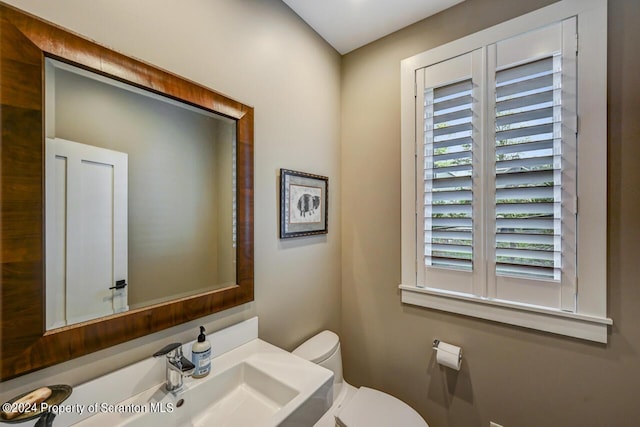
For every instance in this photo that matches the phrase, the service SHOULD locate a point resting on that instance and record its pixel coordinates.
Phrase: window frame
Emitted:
(589, 321)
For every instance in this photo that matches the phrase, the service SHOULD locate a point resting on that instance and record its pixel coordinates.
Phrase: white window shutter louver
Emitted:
(448, 185)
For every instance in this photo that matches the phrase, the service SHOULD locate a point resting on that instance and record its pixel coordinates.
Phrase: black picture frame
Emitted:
(304, 202)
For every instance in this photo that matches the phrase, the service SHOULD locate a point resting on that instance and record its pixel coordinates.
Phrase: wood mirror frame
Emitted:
(25, 345)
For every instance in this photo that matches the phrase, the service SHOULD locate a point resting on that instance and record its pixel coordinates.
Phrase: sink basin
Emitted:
(243, 395)
(256, 384)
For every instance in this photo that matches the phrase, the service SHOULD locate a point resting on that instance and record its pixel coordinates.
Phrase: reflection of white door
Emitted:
(86, 232)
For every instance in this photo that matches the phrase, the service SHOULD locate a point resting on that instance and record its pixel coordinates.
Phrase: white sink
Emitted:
(256, 384)
(241, 396)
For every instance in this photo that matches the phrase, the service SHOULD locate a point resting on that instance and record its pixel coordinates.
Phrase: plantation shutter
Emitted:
(528, 167)
(491, 173)
(448, 102)
(532, 146)
(449, 176)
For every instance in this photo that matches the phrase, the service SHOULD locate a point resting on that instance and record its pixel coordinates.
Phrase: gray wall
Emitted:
(513, 376)
(262, 54)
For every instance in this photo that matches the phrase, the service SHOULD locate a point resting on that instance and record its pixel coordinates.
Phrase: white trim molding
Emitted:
(558, 322)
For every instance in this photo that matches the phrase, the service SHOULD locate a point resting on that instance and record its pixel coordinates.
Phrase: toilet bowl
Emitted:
(353, 407)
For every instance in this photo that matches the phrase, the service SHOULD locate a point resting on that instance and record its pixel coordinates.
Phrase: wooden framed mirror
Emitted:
(26, 42)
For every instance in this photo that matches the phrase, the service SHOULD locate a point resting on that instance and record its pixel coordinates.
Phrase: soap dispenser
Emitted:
(201, 355)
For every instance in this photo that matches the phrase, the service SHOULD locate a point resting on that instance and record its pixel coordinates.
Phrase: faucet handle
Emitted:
(164, 351)
(175, 357)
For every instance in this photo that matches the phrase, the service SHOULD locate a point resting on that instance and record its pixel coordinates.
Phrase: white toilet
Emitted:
(353, 407)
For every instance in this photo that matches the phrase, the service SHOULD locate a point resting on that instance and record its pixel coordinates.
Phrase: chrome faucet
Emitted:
(178, 366)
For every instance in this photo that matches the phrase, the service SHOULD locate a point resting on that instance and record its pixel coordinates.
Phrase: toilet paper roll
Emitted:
(449, 355)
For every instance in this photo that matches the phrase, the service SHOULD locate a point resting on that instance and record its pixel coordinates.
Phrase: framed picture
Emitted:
(303, 204)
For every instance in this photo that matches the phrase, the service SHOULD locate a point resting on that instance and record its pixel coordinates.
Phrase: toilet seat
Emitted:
(373, 408)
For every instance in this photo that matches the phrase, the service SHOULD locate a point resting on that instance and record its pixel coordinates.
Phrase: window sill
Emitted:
(581, 326)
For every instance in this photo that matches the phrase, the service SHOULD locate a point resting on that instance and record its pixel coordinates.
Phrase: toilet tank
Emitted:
(323, 349)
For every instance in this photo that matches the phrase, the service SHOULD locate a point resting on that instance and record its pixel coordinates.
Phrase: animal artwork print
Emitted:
(305, 204)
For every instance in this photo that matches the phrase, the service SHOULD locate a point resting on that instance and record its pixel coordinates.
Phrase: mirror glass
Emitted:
(140, 197)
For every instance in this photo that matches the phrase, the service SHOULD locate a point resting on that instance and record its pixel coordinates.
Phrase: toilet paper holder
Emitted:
(436, 344)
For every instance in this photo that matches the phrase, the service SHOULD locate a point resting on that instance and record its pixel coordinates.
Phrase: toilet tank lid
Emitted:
(319, 347)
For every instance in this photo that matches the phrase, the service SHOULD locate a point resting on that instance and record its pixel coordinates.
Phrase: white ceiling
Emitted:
(348, 24)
